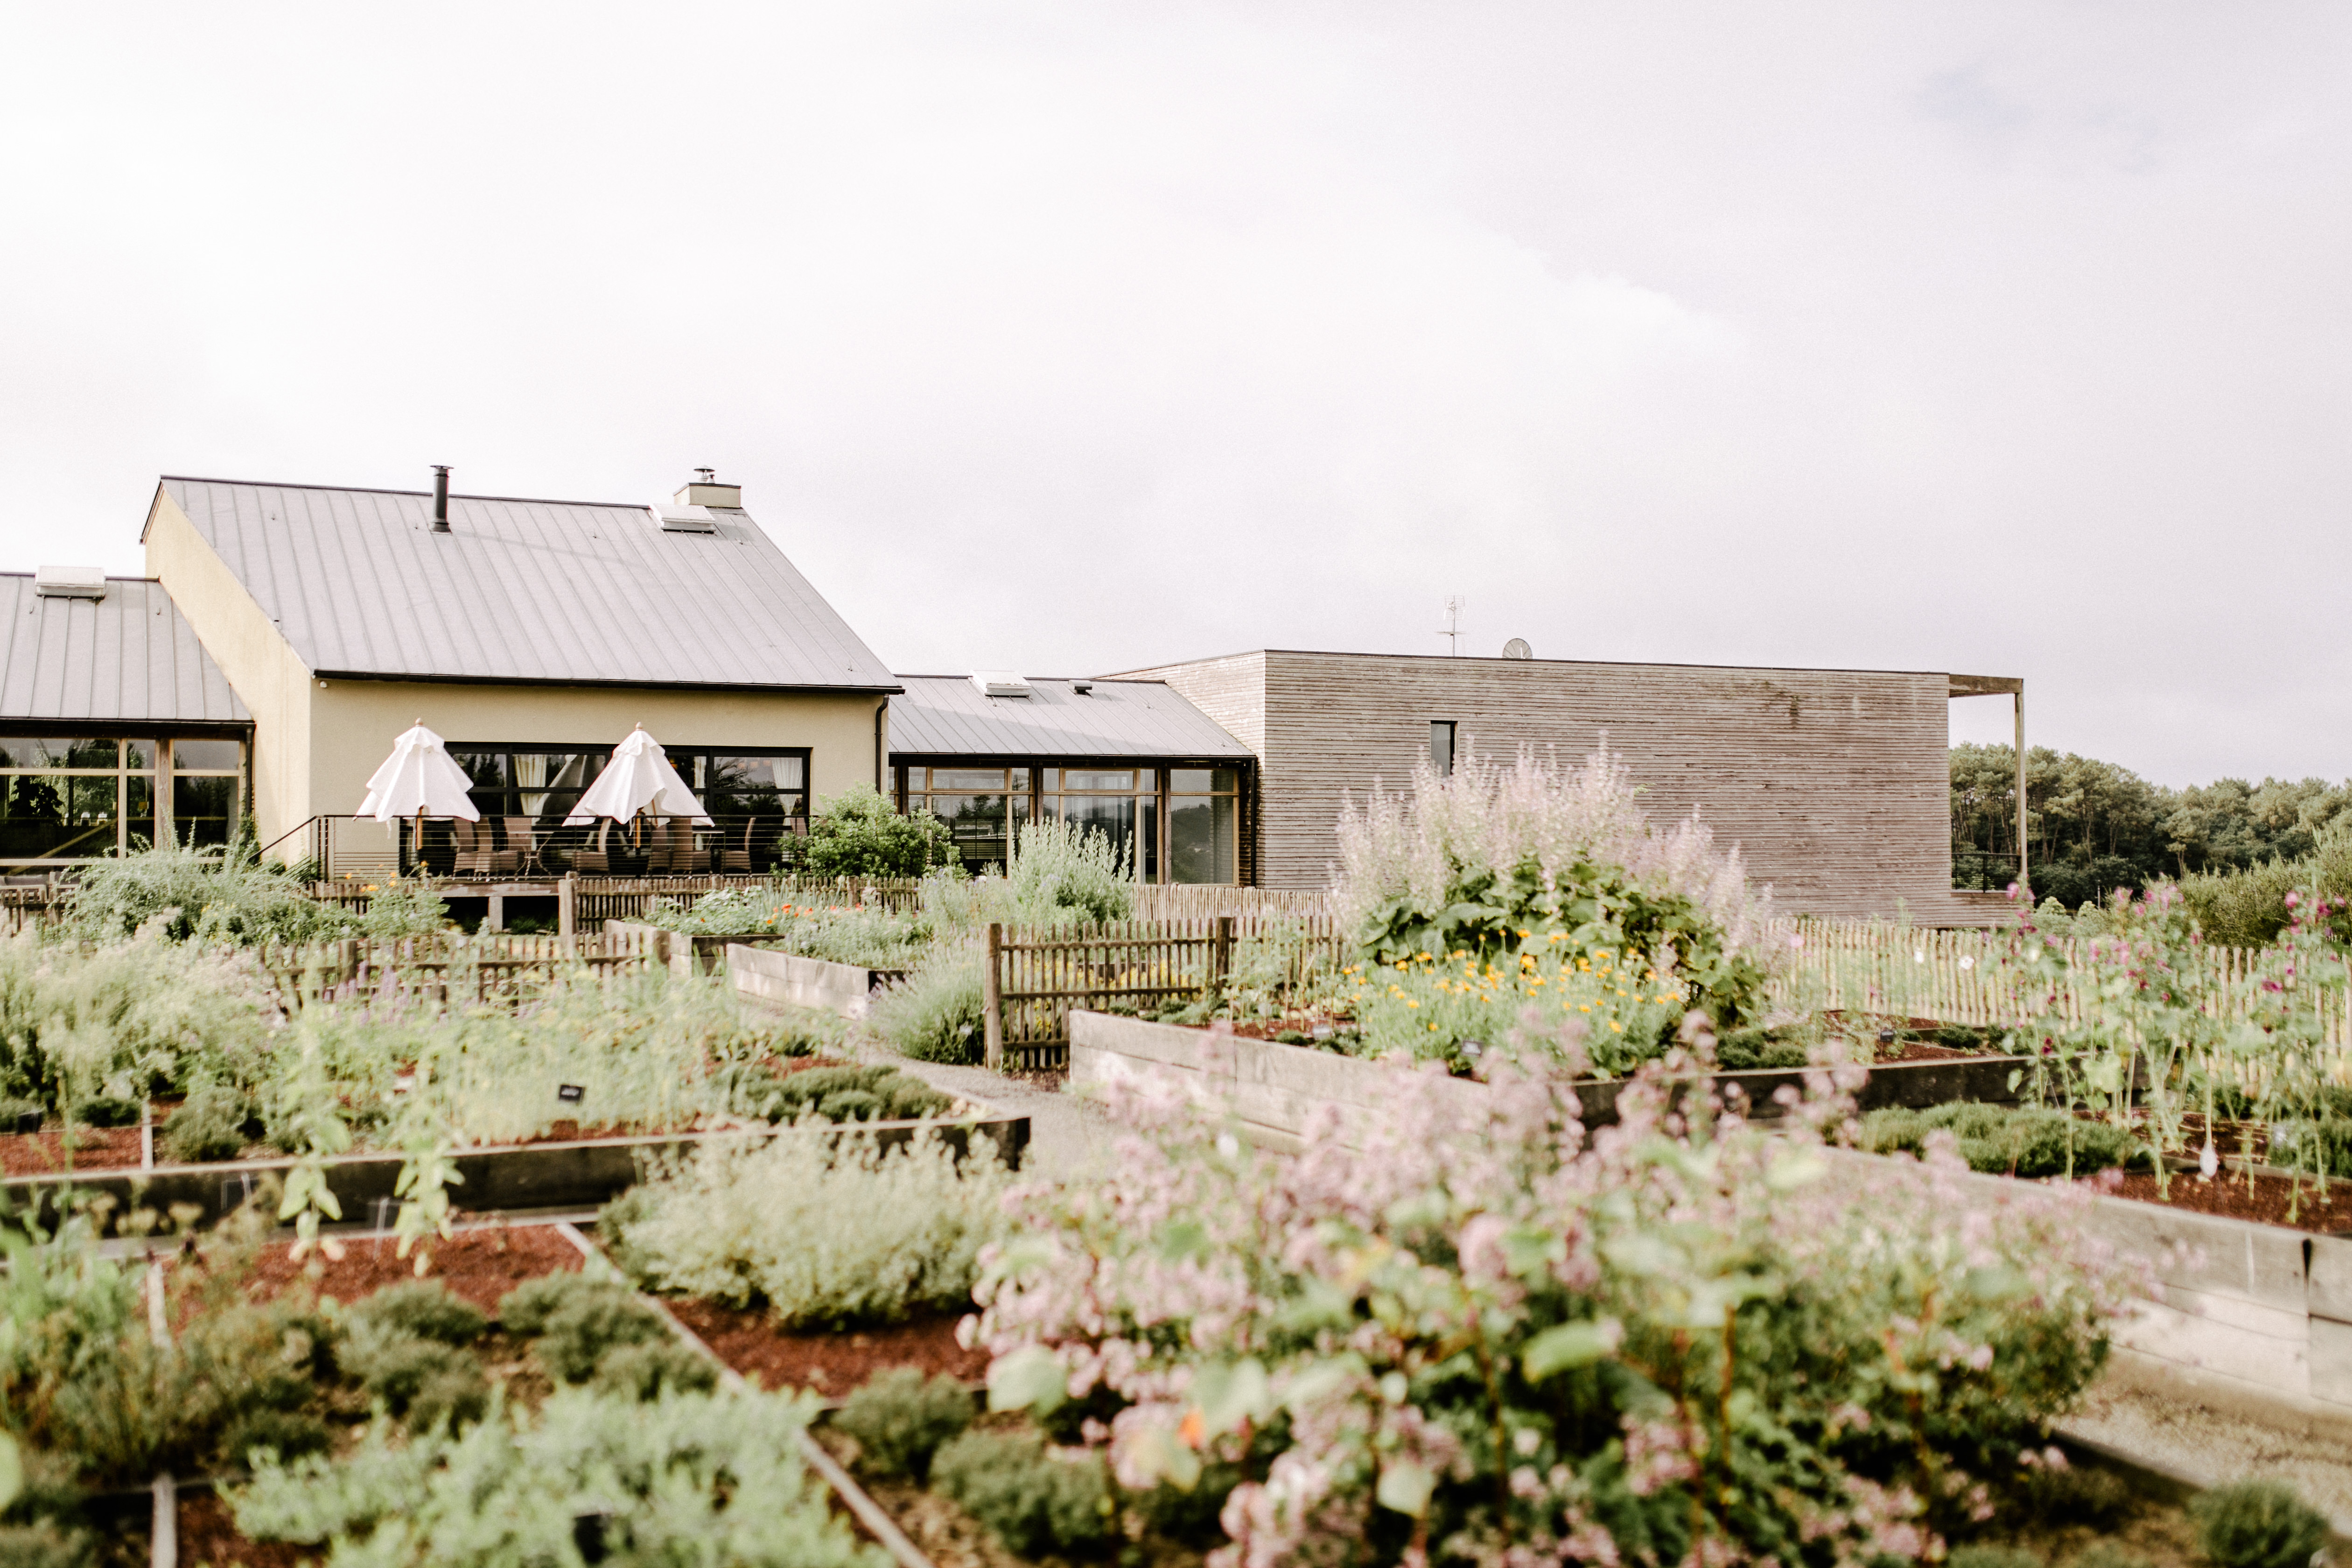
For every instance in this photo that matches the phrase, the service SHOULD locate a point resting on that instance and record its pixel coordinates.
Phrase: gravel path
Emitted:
(2209, 1446)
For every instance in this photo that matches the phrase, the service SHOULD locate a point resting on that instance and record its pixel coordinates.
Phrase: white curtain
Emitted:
(531, 772)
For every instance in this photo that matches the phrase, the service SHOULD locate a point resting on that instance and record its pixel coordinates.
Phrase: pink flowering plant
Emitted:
(1459, 1327)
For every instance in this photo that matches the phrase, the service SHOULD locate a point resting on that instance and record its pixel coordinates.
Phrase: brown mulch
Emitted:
(480, 1265)
(209, 1536)
(96, 1149)
(829, 1362)
(2228, 1196)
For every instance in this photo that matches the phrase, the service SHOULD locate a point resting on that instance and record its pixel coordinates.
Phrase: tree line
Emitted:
(2092, 826)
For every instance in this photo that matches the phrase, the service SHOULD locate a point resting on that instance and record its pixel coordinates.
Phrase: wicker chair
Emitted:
(590, 859)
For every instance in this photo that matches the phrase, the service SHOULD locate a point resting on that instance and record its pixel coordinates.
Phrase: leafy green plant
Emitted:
(2023, 1140)
(428, 1380)
(288, 1434)
(899, 1418)
(1066, 870)
(682, 1478)
(1993, 1557)
(765, 1223)
(1036, 1502)
(872, 1093)
(2257, 1524)
(858, 833)
(425, 1309)
(400, 907)
(209, 1125)
(574, 1322)
(646, 1371)
(45, 1545)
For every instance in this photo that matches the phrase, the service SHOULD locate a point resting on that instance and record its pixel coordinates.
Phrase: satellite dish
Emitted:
(1517, 648)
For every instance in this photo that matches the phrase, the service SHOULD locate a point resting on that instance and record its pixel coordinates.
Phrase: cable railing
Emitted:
(332, 847)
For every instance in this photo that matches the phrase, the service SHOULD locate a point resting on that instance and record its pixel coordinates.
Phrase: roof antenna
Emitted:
(1451, 631)
(440, 497)
(707, 475)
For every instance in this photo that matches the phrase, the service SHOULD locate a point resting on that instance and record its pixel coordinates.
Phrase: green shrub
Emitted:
(2107, 1555)
(399, 1368)
(45, 1545)
(2025, 1140)
(683, 1479)
(222, 897)
(107, 1111)
(1036, 1502)
(842, 1094)
(209, 1125)
(2257, 1524)
(900, 1420)
(938, 1012)
(770, 1223)
(404, 907)
(289, 1434)
(1993, 1557)
(1748, 1050)
(858, 833)
(424, 1308)
(458, 1393)
(1065, 870)
(574, 1322)
(646, 1371)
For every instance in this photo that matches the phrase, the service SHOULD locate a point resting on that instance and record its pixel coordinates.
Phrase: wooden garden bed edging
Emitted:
(582, 1172)
(771, 976)
(1273, 1088)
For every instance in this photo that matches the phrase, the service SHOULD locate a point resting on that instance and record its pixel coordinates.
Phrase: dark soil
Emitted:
(209, 1535)
(95, 1148)
(2229, 1196)
(480, 1265)
(831, 1363)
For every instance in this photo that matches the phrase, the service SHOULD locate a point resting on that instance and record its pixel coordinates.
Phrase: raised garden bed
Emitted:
(1276, 1089)
(765, 974)
(576, 1173)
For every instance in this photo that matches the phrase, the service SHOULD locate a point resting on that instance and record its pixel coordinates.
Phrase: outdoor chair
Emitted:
(735, 855)
(473, 850)
(521, 843)
(590, 859)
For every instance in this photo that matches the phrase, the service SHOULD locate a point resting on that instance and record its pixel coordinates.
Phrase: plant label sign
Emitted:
(571, 1093)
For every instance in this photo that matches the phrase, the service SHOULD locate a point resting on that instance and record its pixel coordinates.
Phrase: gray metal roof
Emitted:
(129, 657)
(535, 591)
(945, 715)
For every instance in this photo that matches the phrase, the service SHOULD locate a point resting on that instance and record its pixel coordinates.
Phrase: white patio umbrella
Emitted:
(419, 780)
(638, 778)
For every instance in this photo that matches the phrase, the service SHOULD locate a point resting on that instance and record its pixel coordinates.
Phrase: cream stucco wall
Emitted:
(315, 742)
(354, 722)
(260, 666)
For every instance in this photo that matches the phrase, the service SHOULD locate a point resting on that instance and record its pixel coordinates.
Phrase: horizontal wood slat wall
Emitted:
(1835, 784)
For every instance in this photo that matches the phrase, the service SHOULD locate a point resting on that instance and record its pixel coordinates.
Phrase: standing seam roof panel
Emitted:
(130, 656)
(535, 591)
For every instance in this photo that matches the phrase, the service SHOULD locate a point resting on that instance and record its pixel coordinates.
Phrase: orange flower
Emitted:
(1194, 1430)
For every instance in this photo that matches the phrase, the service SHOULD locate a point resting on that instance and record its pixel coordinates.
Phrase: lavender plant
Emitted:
(1459, 1327)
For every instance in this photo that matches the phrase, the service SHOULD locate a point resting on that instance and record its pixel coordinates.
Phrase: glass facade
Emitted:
(79, 797)
(757, 798)
(1170, 823)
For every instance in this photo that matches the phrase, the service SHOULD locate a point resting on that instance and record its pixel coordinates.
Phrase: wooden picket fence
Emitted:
(1036, 975)
(439, 969)
(1972, 977)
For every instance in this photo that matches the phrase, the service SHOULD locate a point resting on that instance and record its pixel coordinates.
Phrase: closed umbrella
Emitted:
(638, 778)
(419, 780)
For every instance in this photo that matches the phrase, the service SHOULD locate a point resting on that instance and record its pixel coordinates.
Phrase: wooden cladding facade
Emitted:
(1835, 783)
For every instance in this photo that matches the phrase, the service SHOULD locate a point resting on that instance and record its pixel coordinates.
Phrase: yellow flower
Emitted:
(1616, 1025)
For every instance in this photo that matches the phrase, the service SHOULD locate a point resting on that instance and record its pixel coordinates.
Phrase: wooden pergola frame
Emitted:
(1994, 686)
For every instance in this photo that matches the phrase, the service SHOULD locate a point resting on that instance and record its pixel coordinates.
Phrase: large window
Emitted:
(757, 798)
(1204, 825)
(1121, 804)
(979, 807)
(79, 797)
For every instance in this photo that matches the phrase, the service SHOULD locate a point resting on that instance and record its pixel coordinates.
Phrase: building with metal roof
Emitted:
(532, 635)
(116, 729)
(1131, 757)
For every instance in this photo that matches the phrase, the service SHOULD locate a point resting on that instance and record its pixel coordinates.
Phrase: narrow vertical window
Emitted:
(1441, 747)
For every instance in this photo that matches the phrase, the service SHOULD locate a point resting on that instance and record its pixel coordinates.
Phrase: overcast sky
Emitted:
(2005, 340)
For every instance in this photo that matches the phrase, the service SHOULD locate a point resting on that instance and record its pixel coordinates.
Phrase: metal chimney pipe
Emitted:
(440, 497)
